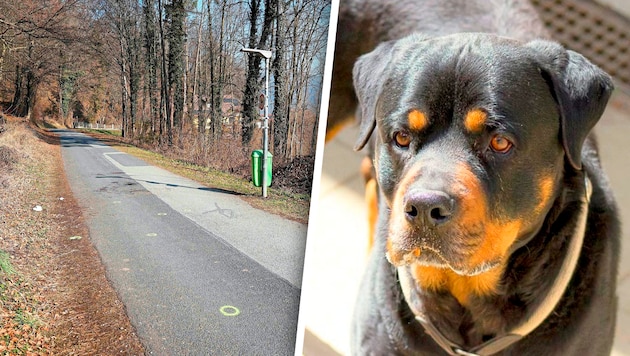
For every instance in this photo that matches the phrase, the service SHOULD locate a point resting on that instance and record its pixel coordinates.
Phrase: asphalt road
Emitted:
(189, 287)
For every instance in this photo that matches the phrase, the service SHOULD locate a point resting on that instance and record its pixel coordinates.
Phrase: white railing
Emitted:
(87, 125)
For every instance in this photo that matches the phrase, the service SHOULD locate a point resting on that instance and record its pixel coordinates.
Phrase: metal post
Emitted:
(265, 130)
(267, 55)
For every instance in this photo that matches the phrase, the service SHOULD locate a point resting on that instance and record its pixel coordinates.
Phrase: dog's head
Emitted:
(473, 134)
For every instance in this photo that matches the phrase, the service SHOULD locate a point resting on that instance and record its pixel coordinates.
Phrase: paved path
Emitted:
(185, 259)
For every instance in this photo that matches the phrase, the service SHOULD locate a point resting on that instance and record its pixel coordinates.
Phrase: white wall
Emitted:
(621, 6)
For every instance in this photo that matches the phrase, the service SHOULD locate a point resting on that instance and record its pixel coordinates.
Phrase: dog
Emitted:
(497, 231)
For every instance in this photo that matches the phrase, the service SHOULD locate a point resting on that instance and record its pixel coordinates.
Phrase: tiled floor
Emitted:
(337, 239)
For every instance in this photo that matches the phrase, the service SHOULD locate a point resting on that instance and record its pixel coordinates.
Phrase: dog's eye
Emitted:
(402, 138)
(500, 144)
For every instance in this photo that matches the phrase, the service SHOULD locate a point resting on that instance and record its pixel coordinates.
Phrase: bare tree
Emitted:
(169, 70)
(32, 35)
(280, 107)
(176, 37)
(150, 44)
(305, 36)
(253, 84)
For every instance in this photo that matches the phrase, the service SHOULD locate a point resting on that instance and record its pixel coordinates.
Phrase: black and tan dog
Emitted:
(497, 232)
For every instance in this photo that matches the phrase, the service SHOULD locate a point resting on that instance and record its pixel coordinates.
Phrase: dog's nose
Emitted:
(429, 207)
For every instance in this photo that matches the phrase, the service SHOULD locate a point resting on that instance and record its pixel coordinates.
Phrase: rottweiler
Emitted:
(497, 232)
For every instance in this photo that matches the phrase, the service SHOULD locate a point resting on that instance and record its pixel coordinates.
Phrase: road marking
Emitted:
(162, 214)
(228, 213)
(151, 234)
(229, 310)
(113, 161)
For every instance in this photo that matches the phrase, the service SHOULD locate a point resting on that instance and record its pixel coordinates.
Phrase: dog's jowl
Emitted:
(497, 232)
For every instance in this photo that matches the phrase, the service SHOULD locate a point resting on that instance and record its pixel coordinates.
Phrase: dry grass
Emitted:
(56, 299)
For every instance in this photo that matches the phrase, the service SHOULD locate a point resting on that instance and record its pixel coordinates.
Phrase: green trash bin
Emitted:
(257, 174)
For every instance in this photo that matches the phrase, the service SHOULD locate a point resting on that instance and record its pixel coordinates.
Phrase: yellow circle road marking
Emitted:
(229, 310)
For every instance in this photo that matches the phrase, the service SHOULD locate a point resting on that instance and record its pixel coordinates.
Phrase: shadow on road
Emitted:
(205, 189)
(79, 139)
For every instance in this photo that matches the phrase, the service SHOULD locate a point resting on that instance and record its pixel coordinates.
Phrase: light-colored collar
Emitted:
(533, 320)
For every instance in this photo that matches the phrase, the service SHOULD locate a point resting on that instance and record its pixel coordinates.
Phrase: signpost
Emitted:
(261, 101)
(266, 55)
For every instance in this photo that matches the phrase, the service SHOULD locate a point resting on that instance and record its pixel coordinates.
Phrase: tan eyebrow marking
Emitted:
(417, 120)
(475, 120)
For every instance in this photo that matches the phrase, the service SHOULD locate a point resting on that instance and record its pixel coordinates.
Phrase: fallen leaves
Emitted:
(21, 331)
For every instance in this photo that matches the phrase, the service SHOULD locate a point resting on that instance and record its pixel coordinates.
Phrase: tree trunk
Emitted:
(31, 93)
(152, 62)
(251, 83)
(134, 78)
(123, 83)
(176, 41)
(217, 87)
(280, 118)
(166, 93)
(17, 94)
(25, 87)
(194, 99)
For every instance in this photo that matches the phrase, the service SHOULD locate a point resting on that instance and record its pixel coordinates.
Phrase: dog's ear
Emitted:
(581, 90)
(368, 77)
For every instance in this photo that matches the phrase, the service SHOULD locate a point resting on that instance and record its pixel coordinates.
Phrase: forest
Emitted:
(170, 74)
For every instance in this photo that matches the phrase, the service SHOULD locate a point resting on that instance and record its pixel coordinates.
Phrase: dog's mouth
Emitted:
(428, 256)
(452, 227)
